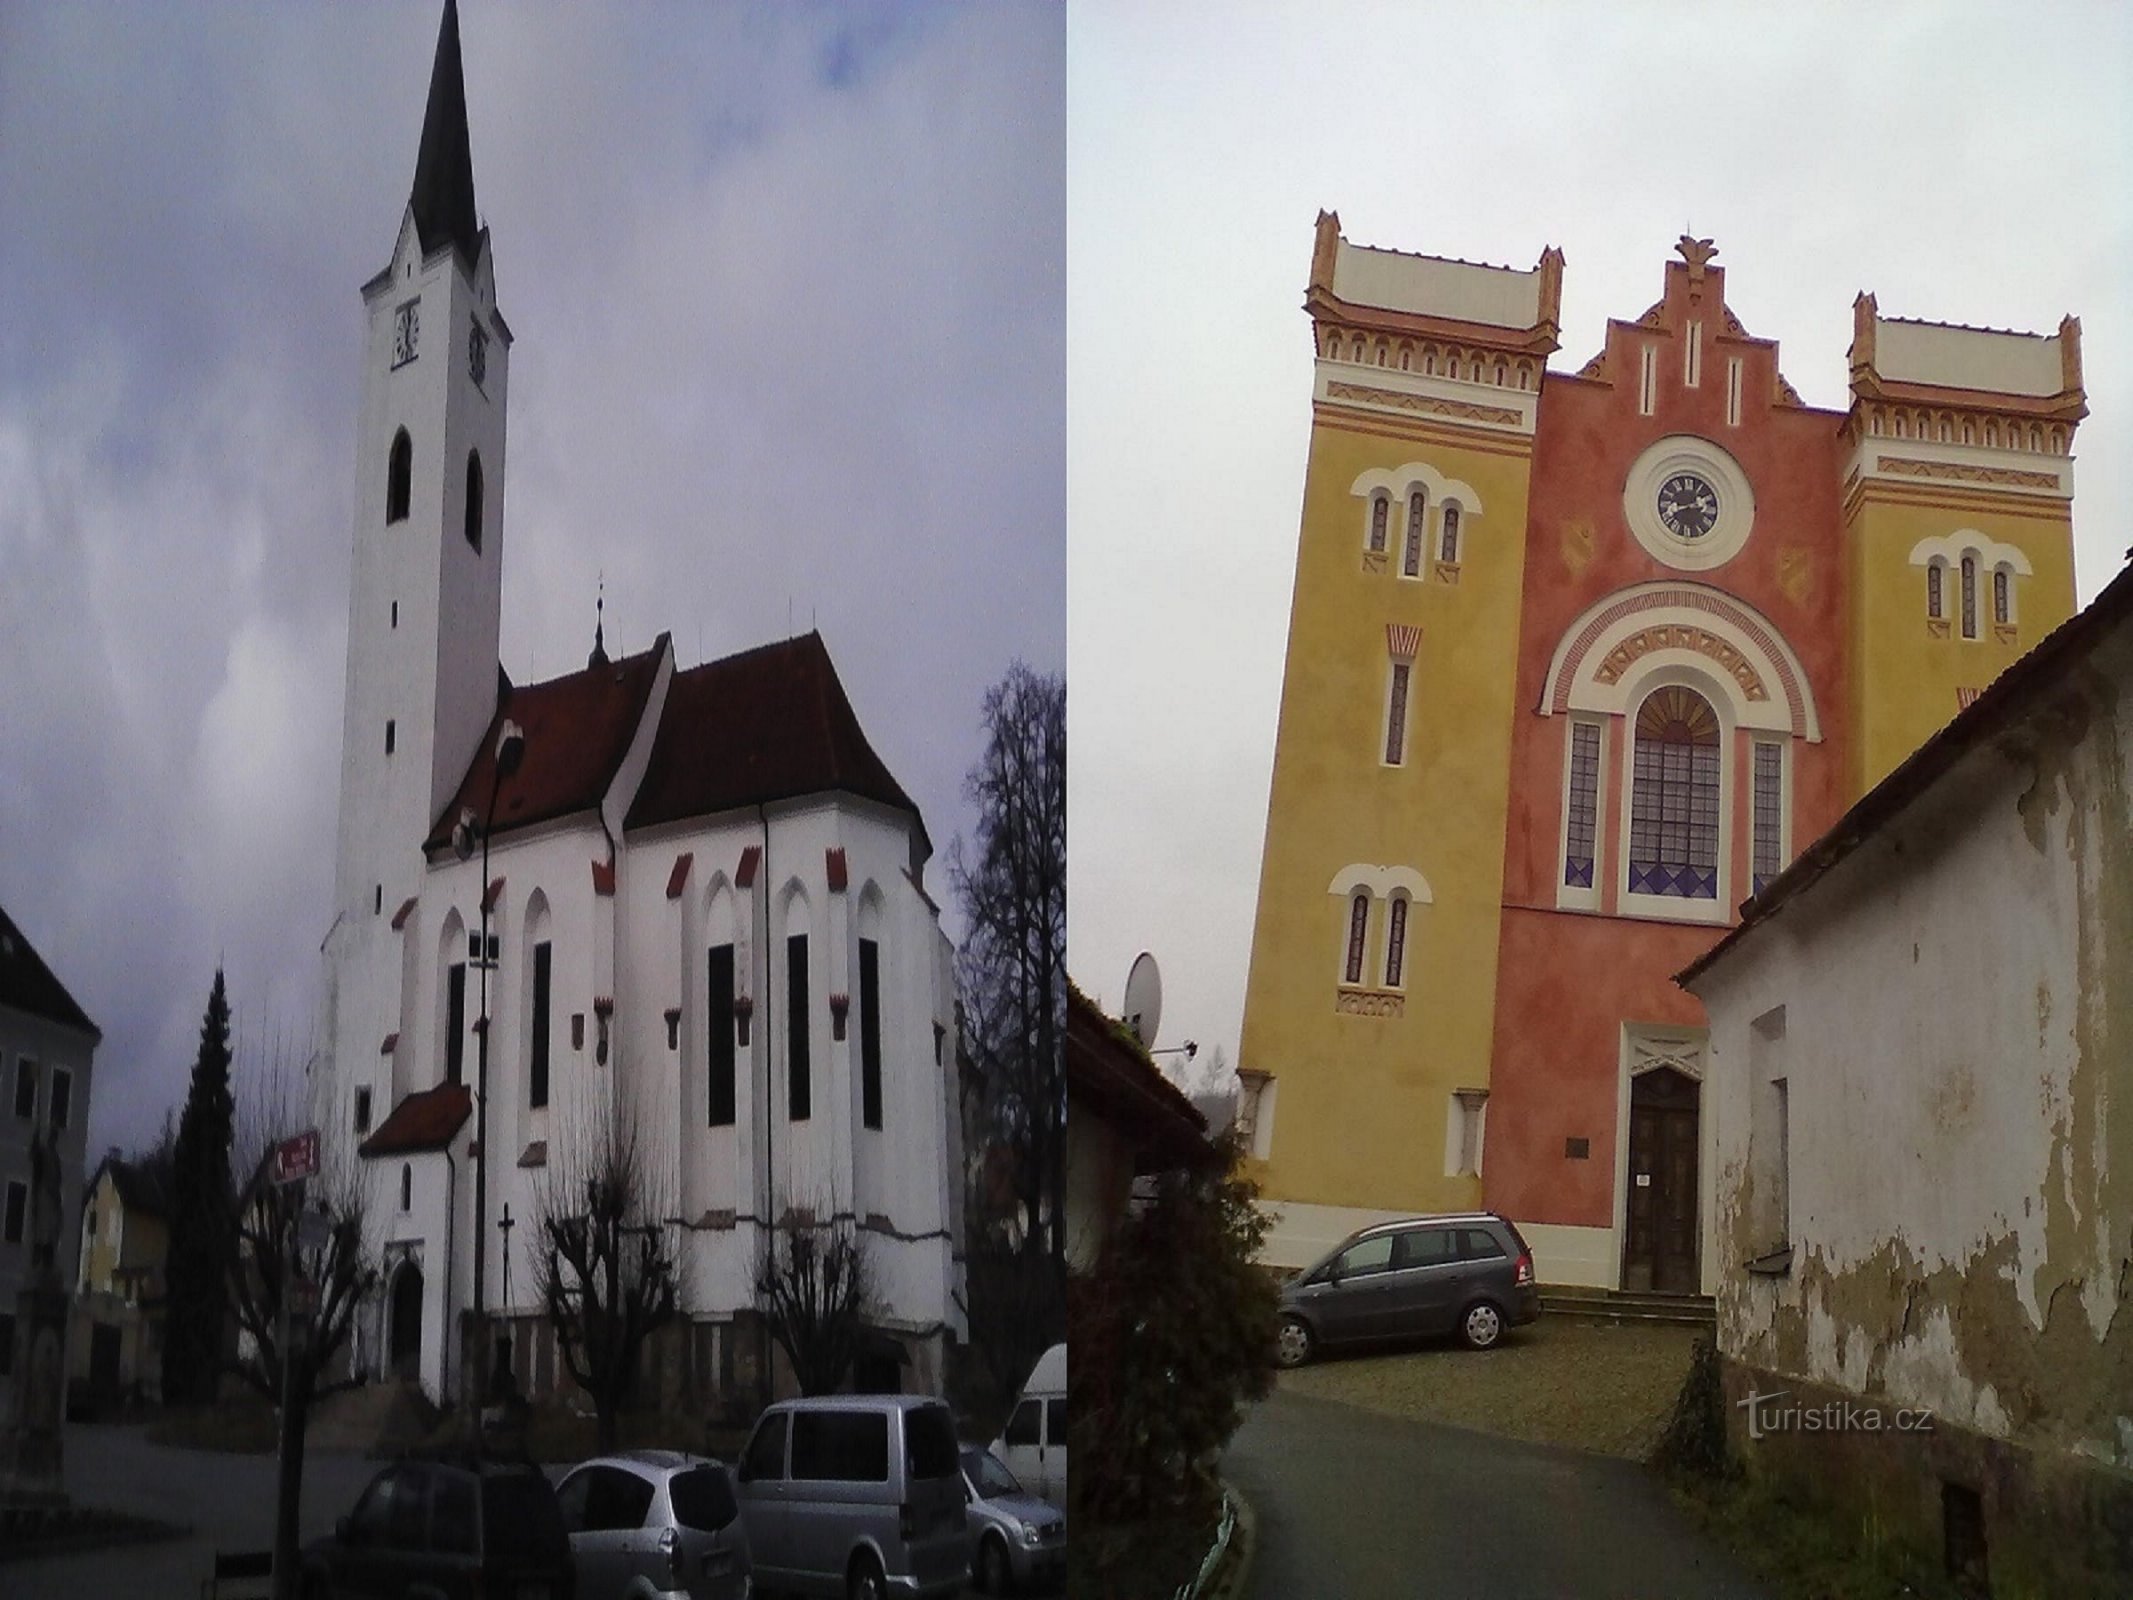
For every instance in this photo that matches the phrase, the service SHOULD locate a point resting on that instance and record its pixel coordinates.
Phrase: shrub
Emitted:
(1693, 1444)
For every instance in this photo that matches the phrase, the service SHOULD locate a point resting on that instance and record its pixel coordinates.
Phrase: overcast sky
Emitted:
(787, 285)
(1967, 163)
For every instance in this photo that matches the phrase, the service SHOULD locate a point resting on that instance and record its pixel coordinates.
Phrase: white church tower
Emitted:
(425, 584)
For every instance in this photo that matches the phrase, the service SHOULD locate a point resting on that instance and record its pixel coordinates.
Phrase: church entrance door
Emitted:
(1659, 1252)
(404, 1337)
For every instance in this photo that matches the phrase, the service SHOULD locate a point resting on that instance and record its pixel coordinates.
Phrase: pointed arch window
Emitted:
(474, 500)
(1969, 597)
(399, 476)
(1673, 829)
(1448, 541)
(1417, 507)
(1358, 926)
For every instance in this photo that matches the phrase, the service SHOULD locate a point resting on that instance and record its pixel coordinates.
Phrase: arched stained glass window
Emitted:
(1673, 827)
(2002, 596)
(1933, 595)
(1449, 544)
(1396, 943)
(1969, 597)
(1380, 508)
(1358, 924)
(1416, 507)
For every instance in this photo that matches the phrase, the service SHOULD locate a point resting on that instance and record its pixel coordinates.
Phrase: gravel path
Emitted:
(1592, 1386)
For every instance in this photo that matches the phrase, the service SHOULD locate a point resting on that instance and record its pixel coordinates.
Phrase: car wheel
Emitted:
(993, 1575)
(1482, 1326)
(865, 1581)
(1293, 1344)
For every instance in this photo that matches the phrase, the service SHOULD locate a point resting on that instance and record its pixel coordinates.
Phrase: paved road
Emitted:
(1357, 1506)
(227, 1499)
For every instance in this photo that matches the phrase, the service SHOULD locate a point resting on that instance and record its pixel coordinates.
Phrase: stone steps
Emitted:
(1621, 1305)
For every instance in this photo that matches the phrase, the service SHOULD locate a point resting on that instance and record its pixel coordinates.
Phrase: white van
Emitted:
(1034, 1444)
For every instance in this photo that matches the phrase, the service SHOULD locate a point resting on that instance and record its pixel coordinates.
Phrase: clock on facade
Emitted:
(1687, 505)
(477, 353)
(407, 327)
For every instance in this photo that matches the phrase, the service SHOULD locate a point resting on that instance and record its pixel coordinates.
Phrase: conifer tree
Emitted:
(203, 1234)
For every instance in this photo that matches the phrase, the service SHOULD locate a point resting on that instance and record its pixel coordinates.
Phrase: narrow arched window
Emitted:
(2036, 437)
(1416, 506)
(407, 1186)
(399, 472)
(1449, 542)
(474, 499)
(1969, 431)
(1934, 603)
(1501, 369)
(1396, 943)
(2002, 596)
(1673, 825)
(1969, 597)
(1380, 509)
(1358, 924)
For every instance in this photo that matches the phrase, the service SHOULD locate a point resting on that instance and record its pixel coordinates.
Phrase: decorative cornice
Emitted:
(1353, 1002)
(1428, 404)
(1965, 472)
(1403, 639)
(1682, 636)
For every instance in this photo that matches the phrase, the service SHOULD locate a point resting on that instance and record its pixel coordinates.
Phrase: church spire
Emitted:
(598, 658)
(443, 197)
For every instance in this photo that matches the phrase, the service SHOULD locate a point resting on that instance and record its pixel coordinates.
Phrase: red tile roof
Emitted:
(426, 1120)
(768, 724)
(604, 879)
(577, 727)
(839, 873)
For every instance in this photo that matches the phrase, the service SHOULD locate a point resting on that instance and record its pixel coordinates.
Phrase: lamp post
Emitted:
(510, 747)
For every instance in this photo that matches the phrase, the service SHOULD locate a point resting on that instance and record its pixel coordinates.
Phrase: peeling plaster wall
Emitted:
(1958, 1052)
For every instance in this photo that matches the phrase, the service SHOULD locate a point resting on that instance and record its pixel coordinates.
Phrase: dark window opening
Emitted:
(1769, 813)
(455, 1023)
(396, 613)
(1933, 596)
(1396, 945)
(1411, 565)
(18, 1201)
(399, 477)
(1358, 922)
(26, 1089)
(407, 1186)
(390, 740)
(870, 1032)
(1969, 597)
(537, 1066)
(474, 500)
(1582, 825)
(1451, 534)
(7, 1343)
(377, 899)
(1379, 507)
(718, 1028)
(2002, 599)
(362, 1111)
(797, 1083)
(62, 1097)
(1396, 717)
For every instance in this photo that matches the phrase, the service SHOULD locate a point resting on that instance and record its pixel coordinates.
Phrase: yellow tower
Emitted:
(1369, 1006)
(1957, 480)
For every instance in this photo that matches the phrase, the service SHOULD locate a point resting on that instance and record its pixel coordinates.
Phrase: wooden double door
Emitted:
(1660, 1251)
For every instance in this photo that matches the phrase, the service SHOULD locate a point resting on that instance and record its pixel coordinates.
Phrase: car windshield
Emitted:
(929, 1442)
(989, 1475)
(703, 1498)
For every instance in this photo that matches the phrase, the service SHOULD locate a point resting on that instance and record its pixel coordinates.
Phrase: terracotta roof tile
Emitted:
(768, 724)
(27, 984)
(426, 1120)
(578, 728)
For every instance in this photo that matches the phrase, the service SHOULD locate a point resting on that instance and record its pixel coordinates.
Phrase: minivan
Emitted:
(859, 1496)
(646, 1522)
(1034, 1442)
(1467, 1272)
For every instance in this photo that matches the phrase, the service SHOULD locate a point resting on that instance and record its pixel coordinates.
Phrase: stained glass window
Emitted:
(2002, 600)
(1396, 944)
(1769, 813)
(1933, 596)
(1358, 921)
(1673, 825)
(1396, 716)
(1583, 805)
(1969, 597)
(1450, 543)
(1378, 508)
(1412, 565)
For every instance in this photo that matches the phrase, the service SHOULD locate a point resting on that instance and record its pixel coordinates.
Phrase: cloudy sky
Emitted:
(788, 290)
(1967, 163)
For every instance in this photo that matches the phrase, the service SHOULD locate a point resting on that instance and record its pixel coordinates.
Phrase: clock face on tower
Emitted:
(407, 329)
(1687, 505)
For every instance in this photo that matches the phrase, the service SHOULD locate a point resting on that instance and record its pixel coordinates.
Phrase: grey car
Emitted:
(655, 1525)
(1020, 1538)
(856, 1496)
(1468, 1273)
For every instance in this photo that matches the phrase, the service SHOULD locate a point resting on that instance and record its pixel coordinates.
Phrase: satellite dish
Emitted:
(1144, 1000)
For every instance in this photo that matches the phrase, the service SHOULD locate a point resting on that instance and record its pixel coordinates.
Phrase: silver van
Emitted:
(859, 1496)
(648, 1522)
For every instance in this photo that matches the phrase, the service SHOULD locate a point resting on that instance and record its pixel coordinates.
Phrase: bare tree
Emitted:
(605, 1263)
(1011, 970)
(815, 1286)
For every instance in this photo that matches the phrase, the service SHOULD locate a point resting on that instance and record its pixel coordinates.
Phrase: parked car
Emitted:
(1034, 1442)
(1019, 1539)
(655, 1523)
(1467, 1273)
(858, 1496)
(447, 1531)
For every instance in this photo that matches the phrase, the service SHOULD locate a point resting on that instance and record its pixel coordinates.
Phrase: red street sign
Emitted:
(296, 1158)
